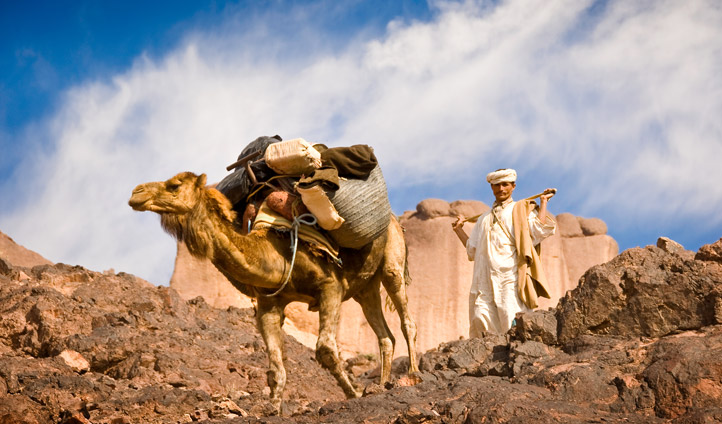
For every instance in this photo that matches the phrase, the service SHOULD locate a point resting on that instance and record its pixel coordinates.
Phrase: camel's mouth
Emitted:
(140, 199)
(137, 205)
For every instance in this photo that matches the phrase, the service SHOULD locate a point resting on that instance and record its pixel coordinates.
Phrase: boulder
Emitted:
(628, 297)
(671, 246)
(539, 326)
(592, 226)
(568, 225)
(432, 208)
(467, 208)
(710, 252)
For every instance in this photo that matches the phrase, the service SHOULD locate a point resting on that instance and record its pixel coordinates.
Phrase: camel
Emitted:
(256, 263)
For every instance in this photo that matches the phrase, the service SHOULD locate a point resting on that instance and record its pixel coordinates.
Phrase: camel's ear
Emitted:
(201, 181)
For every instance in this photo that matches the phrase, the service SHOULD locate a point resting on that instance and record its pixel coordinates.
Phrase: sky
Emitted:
(616, 103)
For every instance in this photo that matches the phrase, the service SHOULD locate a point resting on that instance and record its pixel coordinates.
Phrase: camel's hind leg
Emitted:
(326, 349)
(395, 278)
(370, 301)
(269, 320)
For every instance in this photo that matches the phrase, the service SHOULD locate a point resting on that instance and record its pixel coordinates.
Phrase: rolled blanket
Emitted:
(356, 161)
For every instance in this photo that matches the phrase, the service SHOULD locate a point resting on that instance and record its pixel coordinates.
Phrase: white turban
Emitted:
(501, 176)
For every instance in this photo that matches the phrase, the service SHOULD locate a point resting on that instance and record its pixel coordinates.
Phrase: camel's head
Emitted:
(178, 195)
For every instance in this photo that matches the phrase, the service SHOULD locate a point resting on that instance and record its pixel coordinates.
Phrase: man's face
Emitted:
(502, 191)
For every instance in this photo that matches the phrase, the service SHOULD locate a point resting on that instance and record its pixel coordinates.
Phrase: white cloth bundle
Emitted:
(292, 157)
(321, 207)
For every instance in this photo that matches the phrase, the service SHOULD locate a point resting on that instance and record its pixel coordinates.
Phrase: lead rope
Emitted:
(306, 219)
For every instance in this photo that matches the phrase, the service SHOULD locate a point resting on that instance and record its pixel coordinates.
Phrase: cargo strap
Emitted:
(306, 219)
(266, 183)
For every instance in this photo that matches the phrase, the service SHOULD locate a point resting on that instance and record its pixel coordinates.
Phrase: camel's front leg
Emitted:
(270, 319)
(326, 349)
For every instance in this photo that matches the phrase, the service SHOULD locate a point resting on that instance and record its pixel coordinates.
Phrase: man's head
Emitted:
(503, 183)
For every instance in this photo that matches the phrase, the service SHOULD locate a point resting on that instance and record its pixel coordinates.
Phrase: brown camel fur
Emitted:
(256, 264)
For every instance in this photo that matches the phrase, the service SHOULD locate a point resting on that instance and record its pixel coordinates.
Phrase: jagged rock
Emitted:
(77, 344)
(155, 358)
(710, 252)
(671, 246)
(539, 326)
(684, 372)
(74, 360)
(592, 226)
(479, 356)
(629, 297)
(5, 268)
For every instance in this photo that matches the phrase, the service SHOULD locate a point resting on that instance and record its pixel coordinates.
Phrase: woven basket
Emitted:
(364, 204)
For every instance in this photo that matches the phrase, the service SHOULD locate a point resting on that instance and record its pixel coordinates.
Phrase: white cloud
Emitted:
(624, 99)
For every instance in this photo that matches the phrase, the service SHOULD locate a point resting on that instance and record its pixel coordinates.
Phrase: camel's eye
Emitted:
(172, 185)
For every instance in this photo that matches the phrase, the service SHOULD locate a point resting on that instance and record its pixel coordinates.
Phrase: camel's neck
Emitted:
(209, 232)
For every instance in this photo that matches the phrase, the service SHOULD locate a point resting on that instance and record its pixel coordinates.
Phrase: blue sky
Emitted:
(615, 103)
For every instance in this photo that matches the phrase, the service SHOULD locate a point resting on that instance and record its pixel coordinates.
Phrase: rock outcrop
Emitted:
(629, 297)
(638, 341)
(440, 271)
(78, 346)
(17, 255)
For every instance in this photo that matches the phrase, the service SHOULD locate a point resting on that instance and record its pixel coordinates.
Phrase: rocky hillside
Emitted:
(639, 340)
(440, 271)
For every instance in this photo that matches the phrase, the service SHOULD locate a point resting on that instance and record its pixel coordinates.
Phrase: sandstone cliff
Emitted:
(440, 272)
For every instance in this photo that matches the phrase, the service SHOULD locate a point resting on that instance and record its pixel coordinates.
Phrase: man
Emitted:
(504, 245)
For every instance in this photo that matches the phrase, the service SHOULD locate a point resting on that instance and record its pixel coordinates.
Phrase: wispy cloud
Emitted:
(617, 103)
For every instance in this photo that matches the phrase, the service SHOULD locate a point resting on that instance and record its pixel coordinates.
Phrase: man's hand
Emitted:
(458, 227)
(547, 194)
(459, 222)
(543, 199)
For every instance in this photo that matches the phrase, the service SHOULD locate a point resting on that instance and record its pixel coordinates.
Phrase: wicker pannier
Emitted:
(364, 204)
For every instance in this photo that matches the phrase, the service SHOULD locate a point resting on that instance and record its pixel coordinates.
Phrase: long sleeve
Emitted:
(538, 230)
(472, 243)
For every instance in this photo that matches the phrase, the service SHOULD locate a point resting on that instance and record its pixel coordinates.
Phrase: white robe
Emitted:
(494, 298)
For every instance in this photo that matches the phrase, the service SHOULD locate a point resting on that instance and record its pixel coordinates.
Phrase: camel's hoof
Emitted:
(276, 404)
(409, 380)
